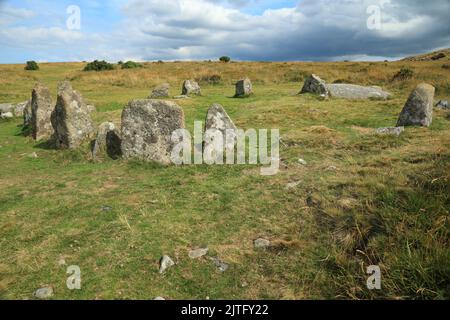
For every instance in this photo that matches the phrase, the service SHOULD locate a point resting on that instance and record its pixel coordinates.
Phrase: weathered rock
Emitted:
(165, 263)
(43, 293)
(71, 118)
(313, 84)
(161, 91)
(217, 120)
(159, 299)
(302, 162)
(6, 107)
(261, 243)
(244, 88)
(443, 104)
(182, 97)
(107, 142)
(220, 265)
(91, 108)
(19, 108)
(198, 253)
(147, 127)
(190, 87)
(418, 110)
(292, 185)
(6, 115)
(393, 131)
(41, 112)
(27, 115)
(355, 92)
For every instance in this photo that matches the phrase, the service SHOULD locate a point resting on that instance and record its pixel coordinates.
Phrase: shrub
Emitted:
(98, 66)
(32, 66)
(131, 65)
(403, 74)
(446, 66)
(225, 59)
(295, 75)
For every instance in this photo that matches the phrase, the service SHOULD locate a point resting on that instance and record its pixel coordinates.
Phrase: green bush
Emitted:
(32, 66)
(403, 74)
(98, 66)
(225, 59)
(131, 65)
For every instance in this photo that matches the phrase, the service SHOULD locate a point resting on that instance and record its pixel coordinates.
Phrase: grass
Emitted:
(387, 202)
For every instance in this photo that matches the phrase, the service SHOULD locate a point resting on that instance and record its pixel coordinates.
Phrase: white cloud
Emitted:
(203, 29)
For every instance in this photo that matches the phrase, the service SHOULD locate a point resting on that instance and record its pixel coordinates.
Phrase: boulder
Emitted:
(147, 127)
(41, 111)
(418, 110)
(244, 88)
(443, 104)
(6, 107)
(313, 84)
(161, 91)
(190, 87)
(355, 92)
(107, 142)
(71, 118)
(218, 119)
(19, 108)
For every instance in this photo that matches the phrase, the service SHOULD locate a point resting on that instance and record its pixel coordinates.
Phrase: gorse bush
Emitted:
(97, 65)
(131, 65)
(225, 59)
(32, 66)
(403, 74)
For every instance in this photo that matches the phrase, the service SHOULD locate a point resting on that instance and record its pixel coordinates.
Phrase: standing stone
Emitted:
(71, 118)
(147, 127)
(27, 115)
(41, 111)
(418, 110)
(217, 120)
(191, 87)
(161, 91)
(107, 142)
(244, 88)
(313, 84)
(355, 92)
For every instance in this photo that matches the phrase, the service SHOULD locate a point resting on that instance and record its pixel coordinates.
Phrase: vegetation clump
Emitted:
(403, 74)
(31, 66)
(225, 59)
(97, 65)
(131, 65)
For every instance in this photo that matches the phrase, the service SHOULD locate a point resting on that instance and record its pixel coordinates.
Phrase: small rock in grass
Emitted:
(62, 262)
(392, 131)
(33, 155)
(302, 162)
(443, 104)
(261, 243)
(7, 115)
(332, 168)
(165, 263)
(221, 266)
(43, 293)
(198, 253)
(159, 299)
(292, 185)
(106, 208)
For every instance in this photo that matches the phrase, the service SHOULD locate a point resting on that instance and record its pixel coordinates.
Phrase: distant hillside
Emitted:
(433, 56)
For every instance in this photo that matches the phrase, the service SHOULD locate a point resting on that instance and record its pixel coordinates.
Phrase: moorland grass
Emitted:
(386, 203)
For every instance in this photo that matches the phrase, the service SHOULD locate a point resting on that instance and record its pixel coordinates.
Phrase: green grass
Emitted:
(387, 203)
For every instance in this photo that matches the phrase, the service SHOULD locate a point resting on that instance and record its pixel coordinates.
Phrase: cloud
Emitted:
(204, 29)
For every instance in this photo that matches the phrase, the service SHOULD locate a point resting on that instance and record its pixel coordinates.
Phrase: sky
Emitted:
(256, 30)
